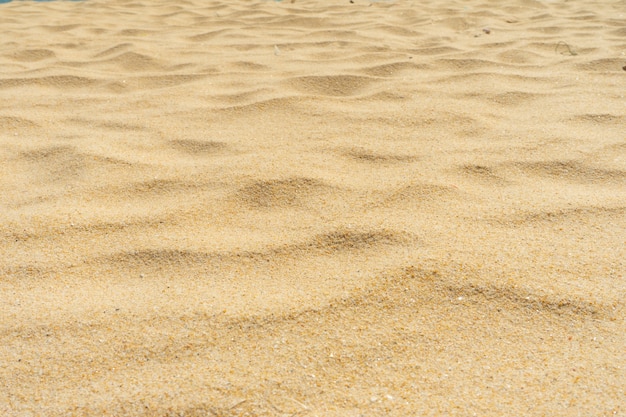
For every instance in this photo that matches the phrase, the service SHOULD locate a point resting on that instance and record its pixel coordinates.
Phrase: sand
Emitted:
(234, 208)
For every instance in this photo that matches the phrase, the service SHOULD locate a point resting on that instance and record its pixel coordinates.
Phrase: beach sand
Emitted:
(310, 208)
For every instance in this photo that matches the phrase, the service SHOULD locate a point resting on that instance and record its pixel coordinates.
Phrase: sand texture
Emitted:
(308, 208)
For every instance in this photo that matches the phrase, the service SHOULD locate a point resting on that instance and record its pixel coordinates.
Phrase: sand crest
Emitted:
(312, 208)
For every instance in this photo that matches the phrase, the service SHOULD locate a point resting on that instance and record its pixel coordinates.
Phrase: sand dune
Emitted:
(312, 208)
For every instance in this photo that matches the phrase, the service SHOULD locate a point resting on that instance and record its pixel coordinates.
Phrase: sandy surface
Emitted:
(237, 208)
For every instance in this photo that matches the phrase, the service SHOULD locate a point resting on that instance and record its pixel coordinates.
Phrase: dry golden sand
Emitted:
(232, 208)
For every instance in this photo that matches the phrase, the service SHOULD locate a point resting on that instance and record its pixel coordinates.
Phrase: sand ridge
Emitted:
(312, 208)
